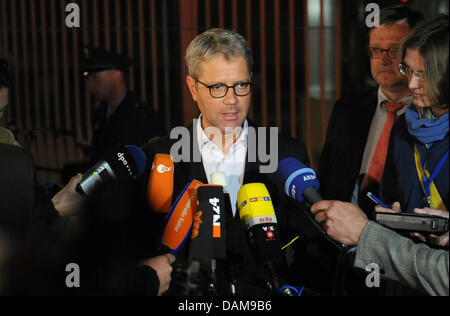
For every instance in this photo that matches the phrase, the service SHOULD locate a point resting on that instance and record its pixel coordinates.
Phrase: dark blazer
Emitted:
(134, 122)
(23, 205)
(291, 219)
(400, 180)
(342, 154)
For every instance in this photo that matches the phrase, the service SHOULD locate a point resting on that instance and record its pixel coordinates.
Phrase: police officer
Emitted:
(120, 117)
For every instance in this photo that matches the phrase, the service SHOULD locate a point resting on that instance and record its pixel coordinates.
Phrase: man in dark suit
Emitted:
(220, 82)
(352, 159)
(348, 168)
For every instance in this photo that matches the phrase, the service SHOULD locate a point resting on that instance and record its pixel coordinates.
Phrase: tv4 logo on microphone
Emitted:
(216, 217)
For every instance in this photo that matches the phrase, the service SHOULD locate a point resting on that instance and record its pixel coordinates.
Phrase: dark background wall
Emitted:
(308, 53)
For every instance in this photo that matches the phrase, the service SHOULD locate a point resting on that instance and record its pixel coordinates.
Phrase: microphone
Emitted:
(300, 181)
(258, 215)
(122, 163)
(301, 184)
(228, 227)
(201, 253)
(178, 222)
(219, 225)
(160, 183)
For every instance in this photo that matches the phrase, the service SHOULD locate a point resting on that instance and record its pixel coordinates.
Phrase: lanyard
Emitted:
(427, 180)
(433, 198)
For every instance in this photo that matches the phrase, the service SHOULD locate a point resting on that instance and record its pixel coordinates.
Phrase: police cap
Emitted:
(97, 59)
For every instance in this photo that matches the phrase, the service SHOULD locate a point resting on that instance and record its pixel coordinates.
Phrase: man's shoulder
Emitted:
(287, 145)
(362, 101)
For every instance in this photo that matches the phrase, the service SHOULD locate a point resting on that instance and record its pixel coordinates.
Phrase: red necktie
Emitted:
(376, 168)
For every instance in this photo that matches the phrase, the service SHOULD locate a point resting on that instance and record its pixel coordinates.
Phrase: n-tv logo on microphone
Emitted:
(216, 217)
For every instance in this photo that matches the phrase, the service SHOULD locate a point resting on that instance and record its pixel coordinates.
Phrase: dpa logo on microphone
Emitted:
(122, 158)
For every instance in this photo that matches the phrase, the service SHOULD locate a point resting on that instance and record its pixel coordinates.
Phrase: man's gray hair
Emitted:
(216, 42)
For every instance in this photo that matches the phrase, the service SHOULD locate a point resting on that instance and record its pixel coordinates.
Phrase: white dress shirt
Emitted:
(376, 128)
(231, 164)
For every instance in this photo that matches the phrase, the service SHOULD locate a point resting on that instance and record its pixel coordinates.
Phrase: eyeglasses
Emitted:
(406, 71)
(375, 52)
(219, 90)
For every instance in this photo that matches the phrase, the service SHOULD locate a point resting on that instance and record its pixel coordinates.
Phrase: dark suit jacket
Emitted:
(342, 154)
(291, 219)
(23, 205)
(133, 123)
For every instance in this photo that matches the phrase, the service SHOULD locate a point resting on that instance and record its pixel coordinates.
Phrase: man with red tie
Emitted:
(353, 157)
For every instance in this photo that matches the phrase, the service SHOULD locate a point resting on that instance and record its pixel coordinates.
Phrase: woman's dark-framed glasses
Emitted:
(219, 90)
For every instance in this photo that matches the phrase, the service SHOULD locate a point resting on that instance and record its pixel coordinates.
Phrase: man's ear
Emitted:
(190, 81)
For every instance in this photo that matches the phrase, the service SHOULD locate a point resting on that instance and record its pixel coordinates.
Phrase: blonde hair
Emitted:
(216, 42)
(431, 40)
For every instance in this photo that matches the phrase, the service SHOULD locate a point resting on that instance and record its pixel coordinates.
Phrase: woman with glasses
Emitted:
(416, 173)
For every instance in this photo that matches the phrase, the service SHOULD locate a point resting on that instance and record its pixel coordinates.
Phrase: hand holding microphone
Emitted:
(123, 163)
(301, 184)
(163, 267)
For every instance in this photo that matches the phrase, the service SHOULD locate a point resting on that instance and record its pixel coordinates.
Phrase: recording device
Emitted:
(412, 222)
(178, 222)
(257, 214)
(122, 163)
(160, 183)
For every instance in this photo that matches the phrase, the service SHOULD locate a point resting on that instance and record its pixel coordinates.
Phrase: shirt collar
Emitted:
(203, 139)
(383, 98)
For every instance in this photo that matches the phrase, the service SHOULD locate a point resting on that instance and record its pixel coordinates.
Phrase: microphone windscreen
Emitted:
(255, 206)
(139, 157)
(122, 163)
(201, 248)
(296, 177)
(160, 183)
(219, 178)
(179, 220)
(258, 215)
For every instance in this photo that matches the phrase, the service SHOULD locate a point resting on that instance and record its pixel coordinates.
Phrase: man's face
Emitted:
(100, 83)
(413, 59)
(231, 110)
(385, 69)
(3, 100)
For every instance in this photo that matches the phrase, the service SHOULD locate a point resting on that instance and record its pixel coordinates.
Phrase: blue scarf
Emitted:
(426, 130)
